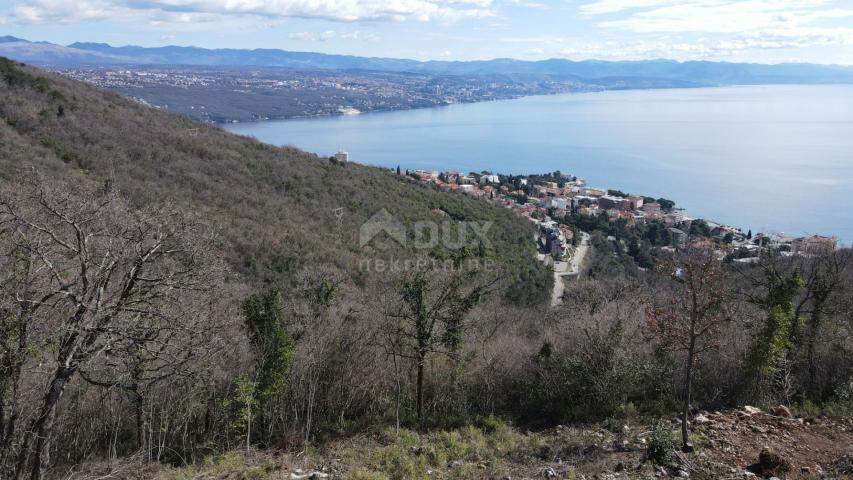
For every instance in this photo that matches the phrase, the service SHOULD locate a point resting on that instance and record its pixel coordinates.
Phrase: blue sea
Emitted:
(767, 158)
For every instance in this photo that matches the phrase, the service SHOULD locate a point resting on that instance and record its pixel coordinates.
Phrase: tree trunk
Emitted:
(420, 388)
(39, 456)
(814, 328)
(137, 400)
(688, 388)
(3, 443)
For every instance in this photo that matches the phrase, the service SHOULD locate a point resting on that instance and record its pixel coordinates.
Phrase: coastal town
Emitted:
(227, 95)
(560, 204)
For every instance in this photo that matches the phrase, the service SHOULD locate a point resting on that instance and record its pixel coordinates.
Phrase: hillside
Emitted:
(732, 443)
(276, 206)
(179, 302)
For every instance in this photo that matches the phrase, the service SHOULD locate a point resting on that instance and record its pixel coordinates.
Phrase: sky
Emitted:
(763, 31)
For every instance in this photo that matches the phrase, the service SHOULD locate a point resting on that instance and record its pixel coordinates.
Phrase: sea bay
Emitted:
(769, 158)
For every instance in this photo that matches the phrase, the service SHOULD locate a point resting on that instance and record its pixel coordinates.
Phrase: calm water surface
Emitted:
(776, 158)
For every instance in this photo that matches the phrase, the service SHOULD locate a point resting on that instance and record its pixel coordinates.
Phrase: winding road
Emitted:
(570, 268)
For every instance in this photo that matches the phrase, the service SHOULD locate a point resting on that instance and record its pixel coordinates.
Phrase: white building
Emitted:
(579, 200)
(494, 179)
(558, 203)
(342, 157)
(593, 192)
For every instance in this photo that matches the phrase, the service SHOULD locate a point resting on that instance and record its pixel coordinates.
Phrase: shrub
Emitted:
(662, 446)
(365, 474)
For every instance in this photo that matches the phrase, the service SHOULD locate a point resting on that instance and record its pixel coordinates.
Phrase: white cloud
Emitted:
(44, 11)
(68, 11)
(526, 3)
(614, 6)
(704, 48)
(305, 36)
(534, 53)
(716, 16)
(669, 27)
(332, 34)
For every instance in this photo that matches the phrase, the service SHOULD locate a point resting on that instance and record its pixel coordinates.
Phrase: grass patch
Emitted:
(233, 464)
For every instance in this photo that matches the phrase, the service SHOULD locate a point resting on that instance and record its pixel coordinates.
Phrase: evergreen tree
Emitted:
(781, 327)
(273, 345)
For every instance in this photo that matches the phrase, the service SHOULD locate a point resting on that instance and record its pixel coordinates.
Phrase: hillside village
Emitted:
(551, 198)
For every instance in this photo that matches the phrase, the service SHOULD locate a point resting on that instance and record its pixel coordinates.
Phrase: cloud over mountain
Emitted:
(67, 11)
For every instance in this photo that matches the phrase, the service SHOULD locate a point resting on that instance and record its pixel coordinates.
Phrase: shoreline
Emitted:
(591, 136)
(519, 97)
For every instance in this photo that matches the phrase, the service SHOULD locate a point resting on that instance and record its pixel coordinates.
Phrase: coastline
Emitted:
(628, 139)
(518, 97)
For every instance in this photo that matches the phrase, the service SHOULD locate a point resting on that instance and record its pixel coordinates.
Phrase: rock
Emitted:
(749, 410)
(770, 464)
(701, 419)
(843, 465)
(308, 476)
(781, 411)
(758, 429)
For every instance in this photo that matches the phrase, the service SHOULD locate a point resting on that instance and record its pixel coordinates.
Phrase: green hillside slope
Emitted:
(276, 206)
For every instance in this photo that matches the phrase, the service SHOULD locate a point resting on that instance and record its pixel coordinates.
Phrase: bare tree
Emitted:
(86, 272)
(824, 277)
(690, 320)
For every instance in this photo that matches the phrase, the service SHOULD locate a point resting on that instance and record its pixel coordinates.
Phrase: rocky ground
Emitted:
(804, 447)
(739, 444)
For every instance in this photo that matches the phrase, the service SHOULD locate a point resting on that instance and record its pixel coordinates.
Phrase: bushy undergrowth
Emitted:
(662, 445)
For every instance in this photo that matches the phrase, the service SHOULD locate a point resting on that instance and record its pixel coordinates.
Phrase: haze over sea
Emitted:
(767, 158)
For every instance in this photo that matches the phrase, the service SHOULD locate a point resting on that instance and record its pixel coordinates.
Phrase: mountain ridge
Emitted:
(698, 72)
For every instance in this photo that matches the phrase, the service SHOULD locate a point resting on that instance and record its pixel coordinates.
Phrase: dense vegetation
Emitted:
(277, 207)
(172, 291)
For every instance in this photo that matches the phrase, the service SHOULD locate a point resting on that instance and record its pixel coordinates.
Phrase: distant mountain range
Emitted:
(698, 73)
